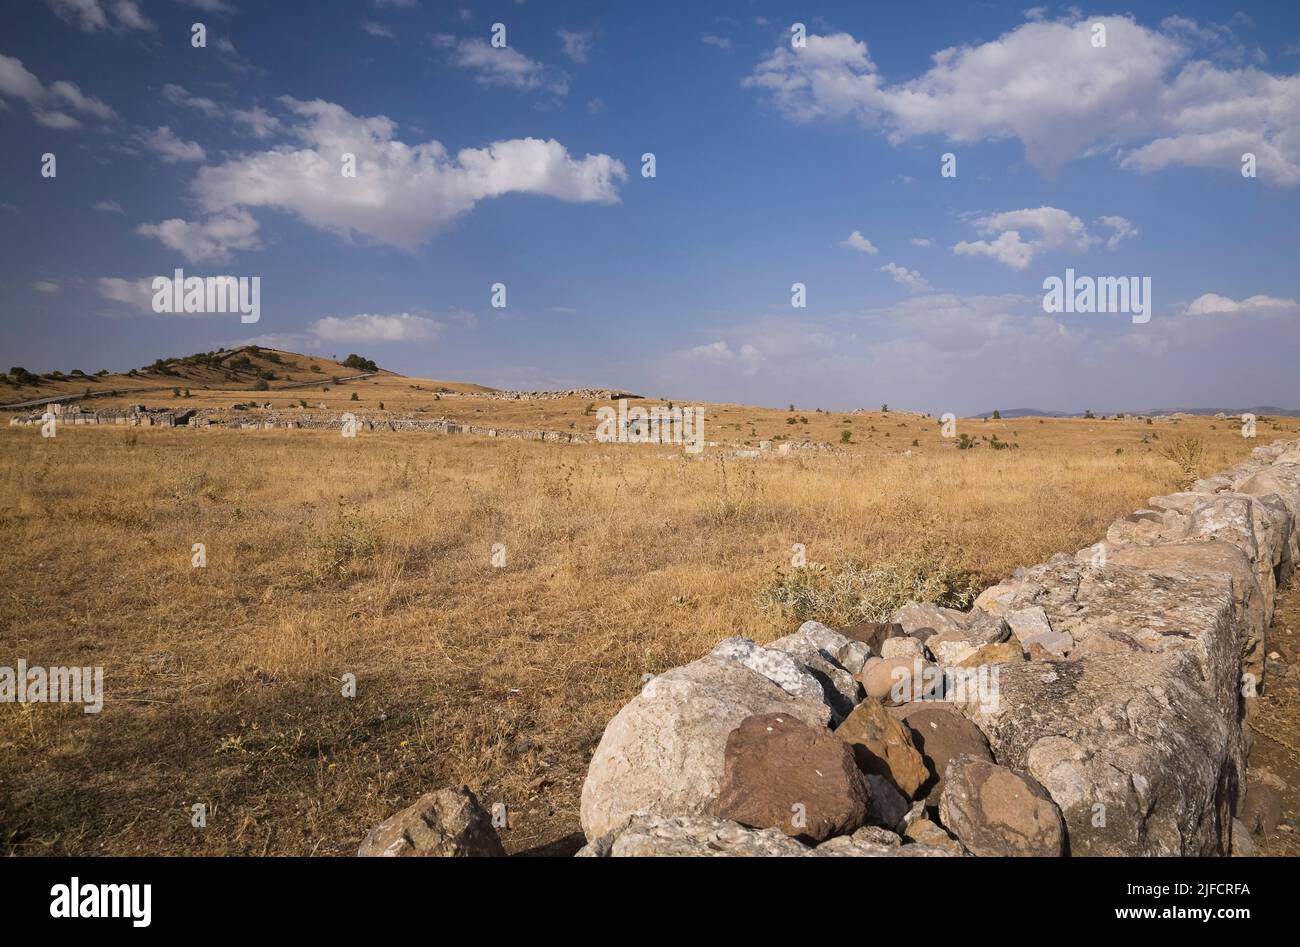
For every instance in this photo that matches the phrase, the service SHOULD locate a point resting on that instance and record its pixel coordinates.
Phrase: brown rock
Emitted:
(999, 653)
(941, 734)
(446, 823)
(873, 633)
(925, 832)
(883, 746)
(781, 773)
(905, 678)
(997, 811)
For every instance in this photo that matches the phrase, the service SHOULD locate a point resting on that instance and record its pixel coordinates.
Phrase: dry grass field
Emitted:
(372, 556)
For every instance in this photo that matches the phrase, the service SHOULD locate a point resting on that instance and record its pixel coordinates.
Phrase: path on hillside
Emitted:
(1275, 753)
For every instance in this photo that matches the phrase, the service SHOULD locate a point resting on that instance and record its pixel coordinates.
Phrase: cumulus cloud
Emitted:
(1211, 303)
(377, 30)
(206, 241)
(710, 39)
(1143, 96)
(136, 293)
(921, 242)
(256, 121)
(910, 279)
(168, 147)
(109, 206)
(855, 241)
(45, 286)
(402, 194)
(1008, 249)
(48, 104)
(746, 357)
(1048, 228)
(399, 327)
(506, 67)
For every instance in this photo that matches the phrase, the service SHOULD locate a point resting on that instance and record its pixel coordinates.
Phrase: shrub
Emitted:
(857, 592)
(344, 546)
(360, 364)
(354, 397)
(260, 385)
(1188, 452)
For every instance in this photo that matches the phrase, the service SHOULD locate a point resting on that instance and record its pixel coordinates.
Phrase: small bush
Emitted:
(857, 592)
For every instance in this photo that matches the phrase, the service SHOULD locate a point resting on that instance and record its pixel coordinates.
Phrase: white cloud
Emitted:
(259, 122)
(921, 242)
(747, 357)
(1211, 303)
(136, 293)
(1049, 228)
(45, 286)
(910, 279)
(179, 95)
(402, 193)
(1044, 84)
(47, 104)
(710, 39)
(577, 45)
(1007, 249)
(507, 67)
(377, 30)
(111, 206)
(171, 149)
(855, 241)
(207, 241)
(401, 327)
(93, 15)
(211, 6)
(1120, 228)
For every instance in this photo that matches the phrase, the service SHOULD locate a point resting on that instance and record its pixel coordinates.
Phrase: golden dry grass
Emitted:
(372, 556)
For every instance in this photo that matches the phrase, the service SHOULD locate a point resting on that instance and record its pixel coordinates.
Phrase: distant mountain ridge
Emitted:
(1258, 411)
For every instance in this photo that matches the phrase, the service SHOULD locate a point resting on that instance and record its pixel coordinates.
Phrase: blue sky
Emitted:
(522, 165)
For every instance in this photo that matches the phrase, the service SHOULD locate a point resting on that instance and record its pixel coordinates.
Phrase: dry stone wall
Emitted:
(1113, 685)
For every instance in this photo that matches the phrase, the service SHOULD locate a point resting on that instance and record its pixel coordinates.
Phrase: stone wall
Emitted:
(1091, 705)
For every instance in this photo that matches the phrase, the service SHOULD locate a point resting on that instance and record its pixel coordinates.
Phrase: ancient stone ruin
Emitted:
(1091, 705)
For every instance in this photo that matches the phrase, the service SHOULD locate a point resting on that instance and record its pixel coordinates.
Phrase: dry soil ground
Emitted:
(372, 557)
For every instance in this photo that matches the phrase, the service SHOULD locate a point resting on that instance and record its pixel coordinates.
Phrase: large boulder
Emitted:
(941, 734)
(663, 753)
(1214, 558)
(1159, 608)
(831, 658)
(1135, 749)
(696, 836)
(883, 746)
(446, 823)
(781, 773)
(996, 811)
(917, 615)
(710, 837)
(779, 667)
(901, 680)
